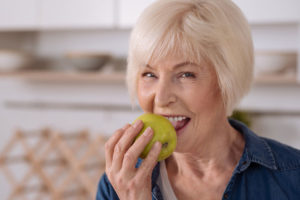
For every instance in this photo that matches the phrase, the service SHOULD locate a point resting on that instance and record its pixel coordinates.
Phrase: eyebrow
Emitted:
(177, 65)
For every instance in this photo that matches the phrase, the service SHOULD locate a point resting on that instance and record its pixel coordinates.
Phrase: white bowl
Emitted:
(87, 61)
(13, 60)
(270, 62)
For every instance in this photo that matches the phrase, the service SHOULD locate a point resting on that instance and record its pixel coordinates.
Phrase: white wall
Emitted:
(57, 43)
(281, 37)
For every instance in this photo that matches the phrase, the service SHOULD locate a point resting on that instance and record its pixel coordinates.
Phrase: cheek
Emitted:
(145, 97)
(208, 99)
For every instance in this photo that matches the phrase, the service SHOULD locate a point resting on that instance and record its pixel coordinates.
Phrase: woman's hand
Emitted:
(121, 156)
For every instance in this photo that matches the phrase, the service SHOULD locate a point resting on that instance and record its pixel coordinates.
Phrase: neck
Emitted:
(219, 151)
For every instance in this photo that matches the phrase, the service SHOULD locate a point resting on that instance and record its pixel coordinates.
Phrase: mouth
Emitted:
(179, 121)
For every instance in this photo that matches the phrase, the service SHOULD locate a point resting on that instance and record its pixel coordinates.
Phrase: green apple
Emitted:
(164, 132)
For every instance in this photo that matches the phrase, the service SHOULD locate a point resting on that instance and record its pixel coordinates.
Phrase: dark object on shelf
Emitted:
(275, 62)
(242, 116)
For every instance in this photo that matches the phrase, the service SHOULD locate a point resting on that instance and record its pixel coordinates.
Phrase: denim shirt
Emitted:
(267, 170)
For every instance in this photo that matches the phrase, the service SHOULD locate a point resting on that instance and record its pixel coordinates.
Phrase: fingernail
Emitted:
(147, 132)
(137, 123)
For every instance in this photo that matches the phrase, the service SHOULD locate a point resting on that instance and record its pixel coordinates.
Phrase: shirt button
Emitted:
(244, 163)
(226, 196)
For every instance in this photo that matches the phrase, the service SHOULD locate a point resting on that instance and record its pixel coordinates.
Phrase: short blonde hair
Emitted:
(214, 31)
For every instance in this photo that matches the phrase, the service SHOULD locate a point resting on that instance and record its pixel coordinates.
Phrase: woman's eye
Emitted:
(188, 75)
(148, 74)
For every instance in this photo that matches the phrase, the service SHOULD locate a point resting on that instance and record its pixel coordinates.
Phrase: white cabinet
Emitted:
(256, 11)
(270, 11)
(76, 14)
(18, 14)
(66, 14)
(129, 11)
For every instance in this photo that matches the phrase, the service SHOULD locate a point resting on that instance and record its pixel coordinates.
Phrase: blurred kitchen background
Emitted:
(62, 66)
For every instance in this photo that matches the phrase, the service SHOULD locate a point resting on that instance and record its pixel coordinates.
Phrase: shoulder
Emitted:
(287, 174)
(285, 156)
(268, 152)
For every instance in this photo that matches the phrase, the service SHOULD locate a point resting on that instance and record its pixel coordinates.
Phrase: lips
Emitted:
(178, 121)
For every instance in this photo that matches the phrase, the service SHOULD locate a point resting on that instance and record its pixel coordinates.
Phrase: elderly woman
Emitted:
(192, 61)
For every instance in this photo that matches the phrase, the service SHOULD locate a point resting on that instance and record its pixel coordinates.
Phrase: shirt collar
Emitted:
(256, 149)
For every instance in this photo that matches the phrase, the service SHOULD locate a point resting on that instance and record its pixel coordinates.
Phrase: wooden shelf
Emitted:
(276, 79)
(53, 76)
(116, 77)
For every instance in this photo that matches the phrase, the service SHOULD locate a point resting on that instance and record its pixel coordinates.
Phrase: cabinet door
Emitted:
(270, 11)
(18, 14)
(129, 11)
(76, 14)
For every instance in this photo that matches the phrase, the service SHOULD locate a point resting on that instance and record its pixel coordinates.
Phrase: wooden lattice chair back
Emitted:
(64, 166)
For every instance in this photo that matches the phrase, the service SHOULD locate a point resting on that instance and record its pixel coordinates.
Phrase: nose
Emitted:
(164, 94)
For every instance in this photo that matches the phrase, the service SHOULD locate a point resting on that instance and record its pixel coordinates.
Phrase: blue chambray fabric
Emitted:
(267, 170)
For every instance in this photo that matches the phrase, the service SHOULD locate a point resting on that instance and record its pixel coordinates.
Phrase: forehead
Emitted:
(171, 65)
(173, 55)
(173, 62)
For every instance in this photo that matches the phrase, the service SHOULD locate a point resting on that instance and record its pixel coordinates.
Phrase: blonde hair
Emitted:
(214, 31)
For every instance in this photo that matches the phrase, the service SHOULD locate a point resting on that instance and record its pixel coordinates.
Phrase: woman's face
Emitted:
(187, 94)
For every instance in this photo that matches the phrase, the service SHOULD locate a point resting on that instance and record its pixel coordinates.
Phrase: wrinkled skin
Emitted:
(121, 157)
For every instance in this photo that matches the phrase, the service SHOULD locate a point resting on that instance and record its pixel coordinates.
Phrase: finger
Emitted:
(150, 161)
(131, 156)
(124, 143)
(110, 144)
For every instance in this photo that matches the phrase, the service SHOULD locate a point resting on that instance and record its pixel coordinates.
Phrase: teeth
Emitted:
(179, 118)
